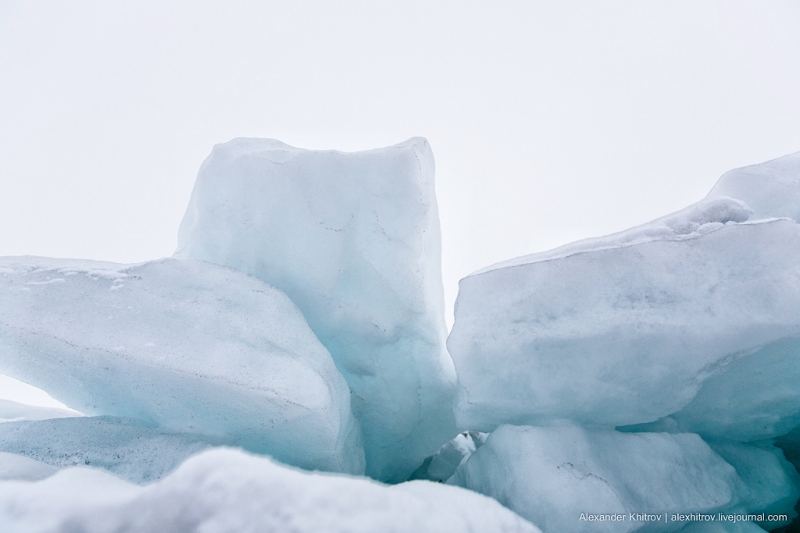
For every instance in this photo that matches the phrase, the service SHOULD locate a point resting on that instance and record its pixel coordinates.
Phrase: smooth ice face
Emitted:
(227, 491)
(353, 239)
(771, 189)
(626, 329)
(551, 475)
(181, 344)
(125, 447)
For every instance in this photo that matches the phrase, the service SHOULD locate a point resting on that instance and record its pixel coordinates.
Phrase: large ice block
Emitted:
(353, 239)
(630, 328)
(179, 344)
(567, 478)
(227, 491)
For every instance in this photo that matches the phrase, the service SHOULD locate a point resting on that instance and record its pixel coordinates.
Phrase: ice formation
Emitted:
(125, 447)
(650, 372)
(771, 189)
(626, 329)
(442, 465)
(178, 344)
(227, 491)
(552, 475)
(353, 239)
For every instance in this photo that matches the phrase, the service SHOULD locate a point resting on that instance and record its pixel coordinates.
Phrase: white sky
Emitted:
(550, 121)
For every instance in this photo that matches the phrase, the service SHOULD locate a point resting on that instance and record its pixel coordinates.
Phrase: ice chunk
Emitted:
(124, 447)
(18, 411)
(226, 491)
(566, 478)
(618, 331)
(353, 239)
(751, 398)
(180, 344)
(442, 465)
(17, 467)
(772, 189)
(770, 484)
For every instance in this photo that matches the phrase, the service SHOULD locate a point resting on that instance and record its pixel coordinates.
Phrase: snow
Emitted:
(550, 475)
(227, 491)
(353, 239)
(627, 333)
(17, 467)
(179, 344)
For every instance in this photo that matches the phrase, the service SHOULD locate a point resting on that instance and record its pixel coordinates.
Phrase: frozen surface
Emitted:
(631, 328)
(771, 189)
(353, 239)
(226, 491)
(124, 447)
(178, 344)
(550, 475)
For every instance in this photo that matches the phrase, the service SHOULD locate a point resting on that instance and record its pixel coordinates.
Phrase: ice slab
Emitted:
(626, 329)
(354, 240)
(127, 448)
(227, 491)
(558, 476)
(179, 344)
(771, 189)
(442, 465)
(769, 483)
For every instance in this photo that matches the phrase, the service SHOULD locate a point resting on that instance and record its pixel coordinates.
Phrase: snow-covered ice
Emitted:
(354, 240)
(552, 475)
(227, 491)
(179, 344)
(20, 468)
(626, 329)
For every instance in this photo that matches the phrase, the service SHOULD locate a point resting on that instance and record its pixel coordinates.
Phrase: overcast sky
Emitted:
(549, 121)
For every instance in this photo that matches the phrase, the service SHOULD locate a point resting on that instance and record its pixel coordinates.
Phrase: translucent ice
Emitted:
(557, 476)
(630, 328)
(178, 344)
(124, 447)
(353, 239)
(227, 491)
(772, 189)
(769, 484)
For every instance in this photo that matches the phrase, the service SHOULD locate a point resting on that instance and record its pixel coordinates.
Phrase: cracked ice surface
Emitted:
(179, 344)
(353, 239)
(620, 330)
